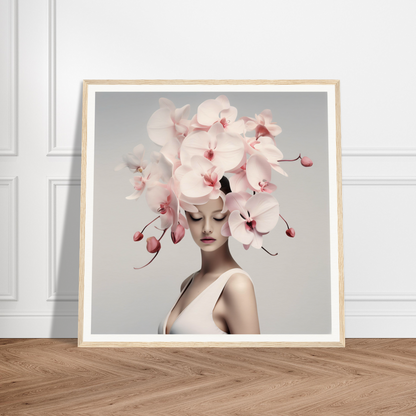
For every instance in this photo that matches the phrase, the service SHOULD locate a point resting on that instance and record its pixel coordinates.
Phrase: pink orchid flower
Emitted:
(200, 181)
(218, 110)
(262, 124)
(266, 146)
(259, 174)
(251, 217)
(168, 122)
(134, 161)
(219, 147)
(149, 176)
(162, 199)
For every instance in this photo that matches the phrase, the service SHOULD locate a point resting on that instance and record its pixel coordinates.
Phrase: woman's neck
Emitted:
(217, 261)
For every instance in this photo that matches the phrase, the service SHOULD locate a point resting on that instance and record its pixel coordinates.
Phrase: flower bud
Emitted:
(178, 234)
(153, 245)
(290, 232)
(306, 162)
(138, 236)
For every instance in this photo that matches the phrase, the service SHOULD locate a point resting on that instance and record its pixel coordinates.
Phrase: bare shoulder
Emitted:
(185, 282)
(239, 284)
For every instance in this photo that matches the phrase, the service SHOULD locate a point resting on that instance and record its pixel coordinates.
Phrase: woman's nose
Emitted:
(207, 227)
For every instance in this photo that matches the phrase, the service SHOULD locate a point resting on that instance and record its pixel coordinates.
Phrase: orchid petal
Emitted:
(230, 114)
(187, 206)
(171, 149)
(166, 220)
(236, 127)
(120, 166)
(162, 168)
(236, 201)
(277, 168)
(183, 221)
(270, 187)
(181, 113)
(138, 151)
(181, 171)
(267, 146)
(193, 186)
(238, 182)
(257, 239)
(267, 116)
(195, 200)
(160, 126)
(135, 194)
(195, 144)
(224, 101)
(258, 169)
(155, 196)
(274, 129)
(215, 129)
(166, 103)
(225, 230)
(208, 112)
(250, 125)
(201, 165)
(182, 129)
(229, 151)
(224, 202)
(238, 228)
(264, 209)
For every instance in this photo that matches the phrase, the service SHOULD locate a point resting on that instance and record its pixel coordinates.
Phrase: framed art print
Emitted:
(211, 214)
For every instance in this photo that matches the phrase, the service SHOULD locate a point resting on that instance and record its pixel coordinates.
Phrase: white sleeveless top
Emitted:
(197, 318)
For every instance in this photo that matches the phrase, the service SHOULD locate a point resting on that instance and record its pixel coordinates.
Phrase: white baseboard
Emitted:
(39, 326)
(65, 326)
(394, 325)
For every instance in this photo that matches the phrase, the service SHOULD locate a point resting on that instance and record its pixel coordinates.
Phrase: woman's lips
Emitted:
(208, 240)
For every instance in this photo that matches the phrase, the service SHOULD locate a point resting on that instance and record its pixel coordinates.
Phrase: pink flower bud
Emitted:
(138, 236)
(306, 162)
(290, 232)
(153, 245)
(178, 234)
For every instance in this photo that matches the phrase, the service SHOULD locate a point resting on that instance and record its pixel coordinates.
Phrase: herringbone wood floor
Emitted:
(54, 377)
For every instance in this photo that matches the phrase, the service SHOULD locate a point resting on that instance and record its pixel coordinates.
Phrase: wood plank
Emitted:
(55, 377)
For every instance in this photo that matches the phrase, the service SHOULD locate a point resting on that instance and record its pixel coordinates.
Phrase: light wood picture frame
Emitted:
(299, 292)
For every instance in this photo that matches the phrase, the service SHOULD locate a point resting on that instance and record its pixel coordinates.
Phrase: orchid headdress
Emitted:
(195, 154)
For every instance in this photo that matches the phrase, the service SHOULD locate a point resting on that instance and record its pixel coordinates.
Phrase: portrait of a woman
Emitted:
(193, 196)
(220, 297)
(185, 184)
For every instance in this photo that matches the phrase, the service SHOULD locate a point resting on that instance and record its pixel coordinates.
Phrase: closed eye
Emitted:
(219, 219)
(195, 219)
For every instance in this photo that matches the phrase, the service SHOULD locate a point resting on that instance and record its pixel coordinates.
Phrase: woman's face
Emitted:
(205, 225)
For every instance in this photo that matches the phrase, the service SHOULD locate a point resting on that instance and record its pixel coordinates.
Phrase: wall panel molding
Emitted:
(53, 149)
(379, 180)
(379, 151)
(11, 97)
(374, 297)
(30, 314)
(10, 238)
(53, 293)
(390, 296)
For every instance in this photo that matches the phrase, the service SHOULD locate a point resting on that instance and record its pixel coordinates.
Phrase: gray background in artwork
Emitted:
(292, 289)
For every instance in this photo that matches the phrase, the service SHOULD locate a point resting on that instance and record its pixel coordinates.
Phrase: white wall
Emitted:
(48, 47)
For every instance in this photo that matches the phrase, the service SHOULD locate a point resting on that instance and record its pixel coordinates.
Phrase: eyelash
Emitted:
(199, 219)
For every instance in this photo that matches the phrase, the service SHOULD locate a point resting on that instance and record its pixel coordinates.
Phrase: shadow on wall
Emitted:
(64, 264)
